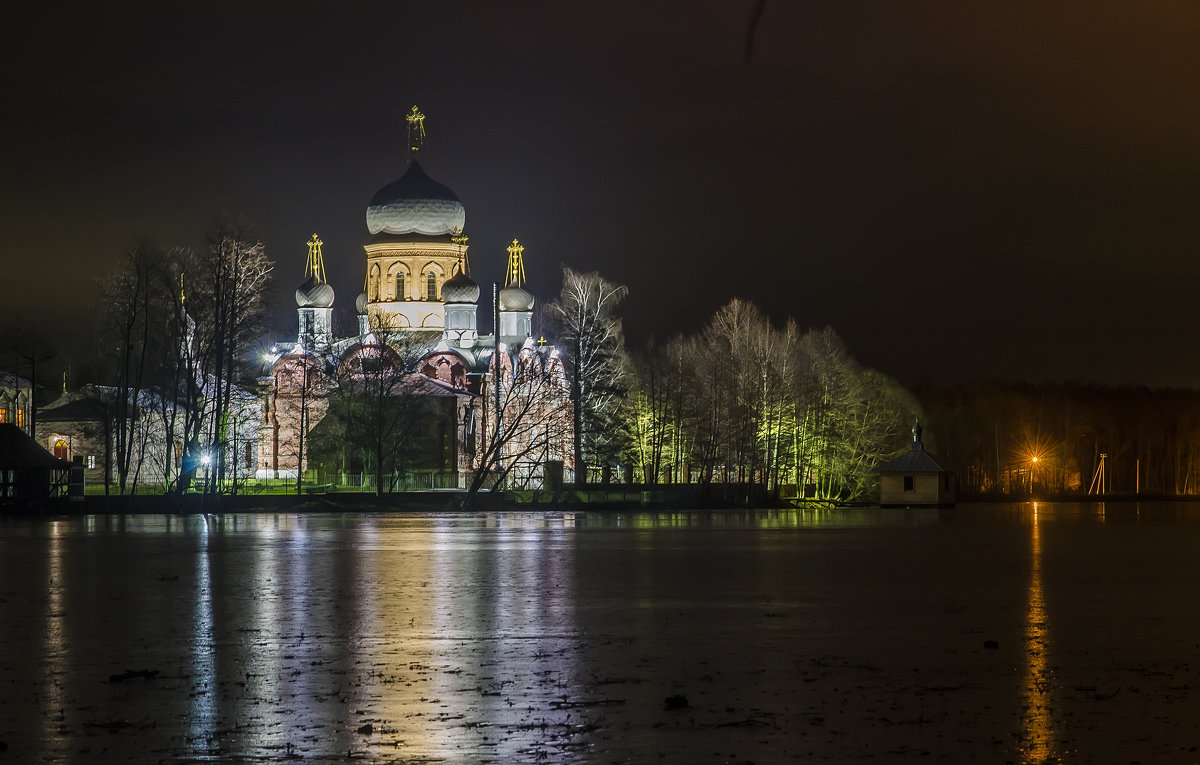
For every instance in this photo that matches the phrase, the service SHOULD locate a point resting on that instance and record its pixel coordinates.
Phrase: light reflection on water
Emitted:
(1038, 684)
(203, 716)
(533, 636)
(54, 650)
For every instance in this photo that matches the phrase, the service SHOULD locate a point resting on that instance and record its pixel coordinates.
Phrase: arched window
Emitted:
(60, 449)
(400, 286)
(431, 286)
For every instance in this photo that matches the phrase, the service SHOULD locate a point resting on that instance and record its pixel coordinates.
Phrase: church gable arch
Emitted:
(373, 283)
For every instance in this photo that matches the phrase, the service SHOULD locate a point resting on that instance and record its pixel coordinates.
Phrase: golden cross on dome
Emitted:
(542, 341)
(316, 261)
(516, 265)
(416, 130)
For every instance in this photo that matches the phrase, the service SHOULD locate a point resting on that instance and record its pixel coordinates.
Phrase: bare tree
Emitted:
(224, 290)
(377, 408)
(534, 421)
(30, 349)
(133, 330)
(591, 333)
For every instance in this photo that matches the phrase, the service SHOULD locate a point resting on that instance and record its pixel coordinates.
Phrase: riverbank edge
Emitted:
(610, 499)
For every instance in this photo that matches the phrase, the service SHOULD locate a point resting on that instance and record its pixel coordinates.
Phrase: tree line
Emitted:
(172, 340)
(741, 407)
(991, 433)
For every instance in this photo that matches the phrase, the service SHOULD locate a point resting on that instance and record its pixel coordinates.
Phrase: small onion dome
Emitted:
(360, 303)
(515, 299)
(415, 204)
(314, 294)
(460, 288)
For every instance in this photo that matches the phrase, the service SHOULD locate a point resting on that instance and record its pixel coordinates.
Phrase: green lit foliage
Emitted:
(747, 409)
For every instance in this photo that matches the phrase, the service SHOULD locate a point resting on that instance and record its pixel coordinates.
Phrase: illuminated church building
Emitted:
(419, 295)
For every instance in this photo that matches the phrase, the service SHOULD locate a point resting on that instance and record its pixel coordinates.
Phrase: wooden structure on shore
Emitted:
(917, 478)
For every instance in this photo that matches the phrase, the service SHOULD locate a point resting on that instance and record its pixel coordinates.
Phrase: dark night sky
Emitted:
(962, 190)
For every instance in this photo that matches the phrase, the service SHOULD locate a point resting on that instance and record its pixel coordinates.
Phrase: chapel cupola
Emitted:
(314, 303)
(516, 304)
(461, 295)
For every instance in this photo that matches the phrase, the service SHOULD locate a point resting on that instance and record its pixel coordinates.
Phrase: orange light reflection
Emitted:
(1037, 727)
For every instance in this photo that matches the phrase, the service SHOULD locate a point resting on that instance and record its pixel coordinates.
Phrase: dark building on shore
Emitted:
(29, 475)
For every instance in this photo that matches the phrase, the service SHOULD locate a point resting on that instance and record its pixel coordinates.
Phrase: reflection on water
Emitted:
(203, 716)
(54, 651)
(1038, 686)
(557, 636)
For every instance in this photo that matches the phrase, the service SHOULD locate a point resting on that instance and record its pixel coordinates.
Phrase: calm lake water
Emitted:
(1003, 633)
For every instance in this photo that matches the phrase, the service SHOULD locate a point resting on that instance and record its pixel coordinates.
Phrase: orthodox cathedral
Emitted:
(496, 404)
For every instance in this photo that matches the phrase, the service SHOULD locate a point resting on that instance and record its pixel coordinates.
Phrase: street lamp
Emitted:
(1032, 469)
(206, 461)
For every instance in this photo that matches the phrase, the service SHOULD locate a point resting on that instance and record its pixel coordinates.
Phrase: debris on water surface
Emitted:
(133, 674)
(675, 702)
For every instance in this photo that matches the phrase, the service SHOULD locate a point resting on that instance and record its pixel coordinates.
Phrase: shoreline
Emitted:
(593, 500)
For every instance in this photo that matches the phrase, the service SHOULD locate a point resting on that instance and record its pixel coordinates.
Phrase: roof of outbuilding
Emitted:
(915, 460)
(18, 450)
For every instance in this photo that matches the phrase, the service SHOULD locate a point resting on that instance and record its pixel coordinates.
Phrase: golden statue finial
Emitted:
(316, 261)
(516, 265)
(416, 130)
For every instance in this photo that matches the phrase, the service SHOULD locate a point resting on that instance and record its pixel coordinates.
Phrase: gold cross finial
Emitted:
(416, 130)
(542, 340)
(516, 265)
(316, 261)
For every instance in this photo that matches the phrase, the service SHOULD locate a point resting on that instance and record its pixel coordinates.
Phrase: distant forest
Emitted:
(993, 432)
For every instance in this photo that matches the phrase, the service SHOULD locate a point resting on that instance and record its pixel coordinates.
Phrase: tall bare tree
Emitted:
(591, 333)
(133, 330)
(224, 300)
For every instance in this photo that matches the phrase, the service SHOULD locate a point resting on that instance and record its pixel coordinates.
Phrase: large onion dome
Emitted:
(415, 204)
(460, 288)
(314, 293)
(515, 299)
